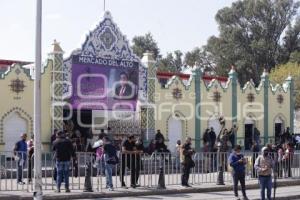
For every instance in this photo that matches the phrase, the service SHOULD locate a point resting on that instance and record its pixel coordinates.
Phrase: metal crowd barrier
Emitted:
(87, 172)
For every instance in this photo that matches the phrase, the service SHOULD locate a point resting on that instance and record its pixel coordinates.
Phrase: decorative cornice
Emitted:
(27, 71)
(172, 80)
(215, 82)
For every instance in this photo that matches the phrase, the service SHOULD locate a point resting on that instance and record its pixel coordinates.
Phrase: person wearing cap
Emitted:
(20, 153)
(64, 151)
(264, 164)
(238, 162)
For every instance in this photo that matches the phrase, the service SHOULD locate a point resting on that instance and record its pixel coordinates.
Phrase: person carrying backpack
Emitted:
(110, 160)
(264, 165)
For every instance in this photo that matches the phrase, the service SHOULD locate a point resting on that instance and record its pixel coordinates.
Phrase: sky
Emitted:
(174, 24)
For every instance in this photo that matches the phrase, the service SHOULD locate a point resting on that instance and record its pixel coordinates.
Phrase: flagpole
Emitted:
(37, 195)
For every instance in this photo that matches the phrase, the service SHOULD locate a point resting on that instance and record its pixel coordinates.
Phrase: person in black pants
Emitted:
(30, 159)
(238, 162)
(129, 160)
(187, 162)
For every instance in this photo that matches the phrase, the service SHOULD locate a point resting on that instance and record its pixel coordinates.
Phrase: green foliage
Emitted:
(171, 63)
(295, 57)
(250, 36)
(281, 72)
(142, 44)
(200, 57)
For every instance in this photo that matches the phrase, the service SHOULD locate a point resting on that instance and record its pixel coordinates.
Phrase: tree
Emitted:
(141, 44)
(281, 72)
(250, 36)
(171, 63)
(200, 56)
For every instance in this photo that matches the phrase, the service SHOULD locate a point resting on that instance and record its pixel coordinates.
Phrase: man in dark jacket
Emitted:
(63, 150)
(238, 162)
(213, 138)
(159, 136)
(186, 161)
(20, 153)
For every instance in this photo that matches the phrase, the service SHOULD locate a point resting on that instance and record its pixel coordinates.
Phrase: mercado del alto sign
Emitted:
(102, 61)
(104, 84)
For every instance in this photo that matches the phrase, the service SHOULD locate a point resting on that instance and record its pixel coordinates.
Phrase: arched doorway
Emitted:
(174, 132)
(278, 128)
(215, 124)
(14, 125)
(249, 132)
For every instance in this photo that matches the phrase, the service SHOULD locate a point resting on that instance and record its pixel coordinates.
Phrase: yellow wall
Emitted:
(245, 109)
(166, 105)
(23, 102)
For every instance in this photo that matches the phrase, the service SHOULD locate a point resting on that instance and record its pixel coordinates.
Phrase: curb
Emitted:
(89, 195)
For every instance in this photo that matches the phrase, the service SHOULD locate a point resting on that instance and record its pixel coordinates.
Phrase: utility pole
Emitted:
(38, 194)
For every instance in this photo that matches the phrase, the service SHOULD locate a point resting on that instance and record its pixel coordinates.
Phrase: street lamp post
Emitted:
(38, 195)
(220, 180)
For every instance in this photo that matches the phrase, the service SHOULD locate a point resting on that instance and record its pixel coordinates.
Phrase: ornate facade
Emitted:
(178, 108)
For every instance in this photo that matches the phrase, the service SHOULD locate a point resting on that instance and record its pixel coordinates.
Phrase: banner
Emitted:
(104, 84)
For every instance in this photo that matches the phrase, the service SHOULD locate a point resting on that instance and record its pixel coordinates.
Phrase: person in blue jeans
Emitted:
(238, 162)
(20, 153)
(64, 151)
(264, 165)
(110, 160)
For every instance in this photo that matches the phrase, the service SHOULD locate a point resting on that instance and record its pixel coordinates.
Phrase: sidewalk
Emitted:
(120, 192)
(282, 193)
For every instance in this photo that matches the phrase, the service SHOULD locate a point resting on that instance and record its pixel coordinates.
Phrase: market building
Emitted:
(88, 88)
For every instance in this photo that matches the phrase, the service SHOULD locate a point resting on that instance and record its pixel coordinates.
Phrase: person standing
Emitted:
(20, 153)
(238, 162)
(255, 152)
(256, 135)
(186, 161)
(206, 137)
(264, 165)
(288, 159)
(64, 151)
(110, 160)
(159, 136)
(232, 135)
(128, 152)
(89, 140)
(30, 159)
(178, 148)
(213, 138)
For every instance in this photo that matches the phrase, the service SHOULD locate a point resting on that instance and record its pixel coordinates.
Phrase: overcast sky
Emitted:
(175, 24)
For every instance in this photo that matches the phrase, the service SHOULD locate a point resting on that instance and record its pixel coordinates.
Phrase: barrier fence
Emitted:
(87, 173)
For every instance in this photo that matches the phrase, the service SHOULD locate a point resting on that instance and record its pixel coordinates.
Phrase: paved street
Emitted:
(282, 193)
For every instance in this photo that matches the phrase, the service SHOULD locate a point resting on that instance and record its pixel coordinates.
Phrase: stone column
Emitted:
(233, 77)
(197, 76)
(148, 111)
(265, 86)
(290, 82)
(57, 87)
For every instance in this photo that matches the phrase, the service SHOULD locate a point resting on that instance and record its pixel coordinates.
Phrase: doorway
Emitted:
(249, 136)
(174, 133)
(14, 126)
